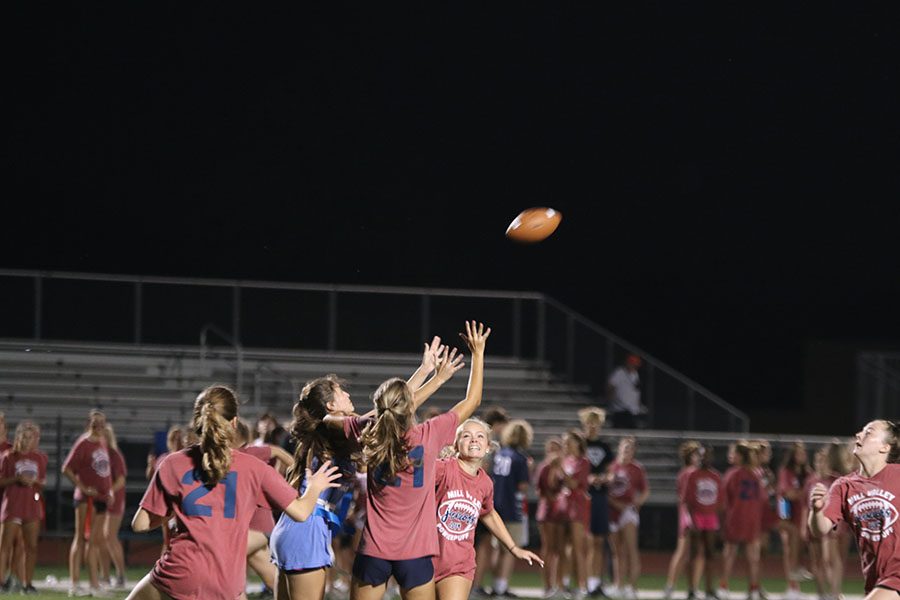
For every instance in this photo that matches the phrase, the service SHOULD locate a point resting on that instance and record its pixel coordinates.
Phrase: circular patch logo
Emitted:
(874, 515)
(619, 484)
(707, 492)
(100, 462)
(457, 516)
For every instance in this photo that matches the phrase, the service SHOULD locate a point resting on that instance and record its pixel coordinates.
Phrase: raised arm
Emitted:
(447, 365)
(475, 337)
(283, 459)
(429, 362)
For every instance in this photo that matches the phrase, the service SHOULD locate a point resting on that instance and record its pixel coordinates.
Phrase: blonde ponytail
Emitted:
(214, 409)
(384, 440)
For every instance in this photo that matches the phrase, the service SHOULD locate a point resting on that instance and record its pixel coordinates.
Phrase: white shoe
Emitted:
(801, 574)
(792, 594)
(549, 593)
(724, 594)
(78, 592)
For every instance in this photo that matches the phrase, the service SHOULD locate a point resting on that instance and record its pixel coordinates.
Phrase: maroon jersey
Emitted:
(703, 491)
(870, 506)
(461, 500)
(262, 519)
(4, 446)
(790, 481)
(400, 514)
(628, 480)
(22, 501)
(548, 483)
(89, 461)
(207, 553)
(578, 503)
(744, 500)
(117, 469)
(681, 482)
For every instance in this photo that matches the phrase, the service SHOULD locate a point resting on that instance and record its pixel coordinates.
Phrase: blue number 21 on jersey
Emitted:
(193, 508)
(417, 458)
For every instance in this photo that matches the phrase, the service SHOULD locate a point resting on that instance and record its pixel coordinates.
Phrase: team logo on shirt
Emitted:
(874, 513)
(707, 491)
(100, 462)
(26, 468)
(620, 483)
(458, 515)
(596, 454)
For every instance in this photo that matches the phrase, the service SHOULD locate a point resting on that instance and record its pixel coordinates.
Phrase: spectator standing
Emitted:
(600, 456)
(623, 393)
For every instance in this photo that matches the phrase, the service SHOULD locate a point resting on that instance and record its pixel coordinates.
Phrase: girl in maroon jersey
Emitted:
(791, 480)
(704, 500)
(400, 536)
(744, 499)
(88, 468)
(689, 452)
(23, 471)
(464, 495)
(628, 491)
(114, 552)
(213, 491)
(834, 546)
(576, 473)
(551, 512)
(867, 501)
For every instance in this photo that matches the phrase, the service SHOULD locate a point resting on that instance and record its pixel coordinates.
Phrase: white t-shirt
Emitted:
(626, 391)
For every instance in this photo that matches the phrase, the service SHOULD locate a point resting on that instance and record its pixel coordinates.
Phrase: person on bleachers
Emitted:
(600, 456)
(88, 468)
(623, 394)
(689, 452)
(628, 491)
(113, 547)
(23, 472)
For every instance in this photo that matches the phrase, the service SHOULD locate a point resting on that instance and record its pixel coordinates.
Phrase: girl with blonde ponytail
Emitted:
(400, 537)
(213, 491)
(325, 427)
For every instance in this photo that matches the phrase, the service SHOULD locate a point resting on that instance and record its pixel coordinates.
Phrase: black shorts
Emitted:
(599, 512)
(409, 573)
(100, 508)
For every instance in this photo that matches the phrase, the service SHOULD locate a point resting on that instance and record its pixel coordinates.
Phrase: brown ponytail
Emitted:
(307, 427)
(214, 408)
(384, 440)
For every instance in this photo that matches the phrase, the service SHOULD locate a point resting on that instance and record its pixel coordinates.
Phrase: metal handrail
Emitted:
(279, 374)
(239, 352)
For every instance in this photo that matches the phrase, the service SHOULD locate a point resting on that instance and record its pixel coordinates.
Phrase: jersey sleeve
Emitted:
(116, 465)
(275, 489)
(73, 460)
(487, 505)
(441, 430)
(640, 483)
(353, 426)
(834, 502)
(156, 500)
(784, 481)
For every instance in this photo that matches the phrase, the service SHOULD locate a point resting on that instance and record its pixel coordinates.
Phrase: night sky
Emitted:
(727, 173)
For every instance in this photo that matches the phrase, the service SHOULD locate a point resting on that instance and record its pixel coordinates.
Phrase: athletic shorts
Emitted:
(409, 573)
(626, 517)
(100, 508)
(599, 512)
(705, 521)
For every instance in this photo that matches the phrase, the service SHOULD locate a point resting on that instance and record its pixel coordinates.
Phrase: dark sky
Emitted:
(727, 173)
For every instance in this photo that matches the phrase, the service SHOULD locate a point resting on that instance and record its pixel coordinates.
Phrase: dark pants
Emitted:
(624, 420)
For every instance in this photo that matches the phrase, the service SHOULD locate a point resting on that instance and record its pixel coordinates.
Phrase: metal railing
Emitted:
(270, 314)
(238, 350)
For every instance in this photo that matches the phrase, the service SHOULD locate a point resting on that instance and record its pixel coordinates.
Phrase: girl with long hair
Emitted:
(213, 491)
(628, 491)
(550, 514)
(325, 427)
(88, 468)
(869, 502)
(703, 500)
(576, 471)
(464, 495)
(23, 472)
(744, 498)
(400, 537)
(689, 453)
(791, 480)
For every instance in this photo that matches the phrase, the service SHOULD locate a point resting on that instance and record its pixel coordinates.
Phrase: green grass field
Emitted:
(529, 580)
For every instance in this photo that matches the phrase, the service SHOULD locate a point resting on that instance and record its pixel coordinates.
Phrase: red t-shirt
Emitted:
(744, 501)
(461, 500)
(117, 469)
(548, 483)
(20, 501)
(578, 503)
(681, 482)
(628, 480)
(702, 491)
(4, 446)
(262, 520)
(90, 462)
(400, 517)
(870, 506)
(207, 553)
(789, 481)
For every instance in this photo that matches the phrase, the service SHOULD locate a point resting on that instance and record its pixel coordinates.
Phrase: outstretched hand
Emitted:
(325, 477)
(525, 555)
(448, 364)
(475, 336)
(431, 354)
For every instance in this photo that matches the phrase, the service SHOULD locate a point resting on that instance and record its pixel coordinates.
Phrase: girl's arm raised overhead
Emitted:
(429, 362)
(447, 365)
(475, 337)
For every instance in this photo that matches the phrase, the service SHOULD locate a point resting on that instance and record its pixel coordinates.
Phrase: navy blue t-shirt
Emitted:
(510, 469)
